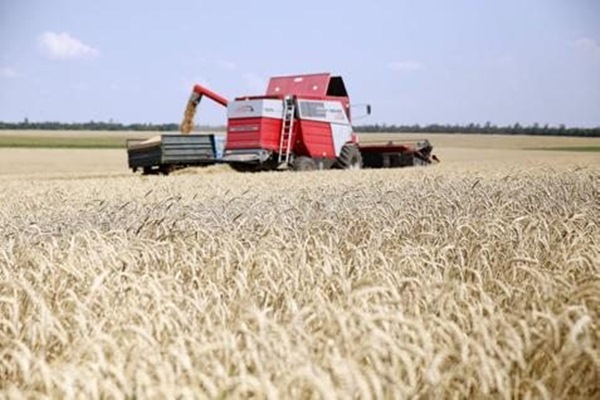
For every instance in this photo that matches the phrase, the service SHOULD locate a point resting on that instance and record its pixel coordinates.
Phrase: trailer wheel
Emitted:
(303, 163)
(166, 169)
(350, 157)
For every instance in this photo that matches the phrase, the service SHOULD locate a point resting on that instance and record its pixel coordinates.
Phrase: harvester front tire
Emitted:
(304, 164)
(350, 157)
(244, 167)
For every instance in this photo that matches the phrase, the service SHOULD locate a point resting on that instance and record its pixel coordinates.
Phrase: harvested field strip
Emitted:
(61, 142)
(116, 139)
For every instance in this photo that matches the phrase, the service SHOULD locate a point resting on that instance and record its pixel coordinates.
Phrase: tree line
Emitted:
(487, 128)
(87, 126)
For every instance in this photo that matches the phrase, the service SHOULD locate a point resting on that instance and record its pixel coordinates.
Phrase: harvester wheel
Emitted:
(350, 157)
(303, 163)
(245, 167)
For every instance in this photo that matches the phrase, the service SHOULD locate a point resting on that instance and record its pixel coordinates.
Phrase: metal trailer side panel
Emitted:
(144, 157)
(190, 149)
(172, 150)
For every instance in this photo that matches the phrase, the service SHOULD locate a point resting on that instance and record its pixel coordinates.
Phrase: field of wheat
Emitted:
(439, 282)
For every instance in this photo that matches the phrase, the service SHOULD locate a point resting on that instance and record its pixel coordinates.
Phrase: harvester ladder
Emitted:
(287, 129)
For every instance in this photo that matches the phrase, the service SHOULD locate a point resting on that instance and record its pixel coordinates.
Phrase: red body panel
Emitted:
(314, 139)
(253, 133)
(310, 138)
(305, 85)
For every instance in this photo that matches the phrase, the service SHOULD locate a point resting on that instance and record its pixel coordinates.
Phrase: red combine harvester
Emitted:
(303, 122)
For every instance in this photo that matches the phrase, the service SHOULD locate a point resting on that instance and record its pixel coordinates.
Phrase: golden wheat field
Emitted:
(475, 278)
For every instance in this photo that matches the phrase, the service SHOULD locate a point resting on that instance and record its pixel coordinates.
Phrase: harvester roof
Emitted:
(312, 85)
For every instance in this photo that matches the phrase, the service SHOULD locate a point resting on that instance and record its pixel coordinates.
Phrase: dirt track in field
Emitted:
(454, 151)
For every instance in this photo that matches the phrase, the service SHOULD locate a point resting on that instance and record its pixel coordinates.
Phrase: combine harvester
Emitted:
(302, 123)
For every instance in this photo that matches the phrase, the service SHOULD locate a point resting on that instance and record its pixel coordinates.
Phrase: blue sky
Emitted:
(415, 61)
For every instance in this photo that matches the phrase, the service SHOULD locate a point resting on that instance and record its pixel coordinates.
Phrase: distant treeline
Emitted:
(87, 126)
(488, 128)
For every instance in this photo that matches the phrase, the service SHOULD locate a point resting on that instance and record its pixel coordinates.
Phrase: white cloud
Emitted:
(9, 73)
(405, 66)
(64, 46)
(587, 46)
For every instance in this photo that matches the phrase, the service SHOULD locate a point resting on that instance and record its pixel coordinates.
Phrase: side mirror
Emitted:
(363, 114)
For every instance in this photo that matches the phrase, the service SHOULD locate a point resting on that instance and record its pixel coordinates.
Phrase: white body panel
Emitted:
(331, 112)
(342, 134)
(255, 108)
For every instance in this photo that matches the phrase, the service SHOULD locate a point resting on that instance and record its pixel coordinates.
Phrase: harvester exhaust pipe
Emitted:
(190, 110)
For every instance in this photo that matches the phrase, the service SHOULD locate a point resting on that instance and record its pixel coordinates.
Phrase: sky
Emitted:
(415, 62)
